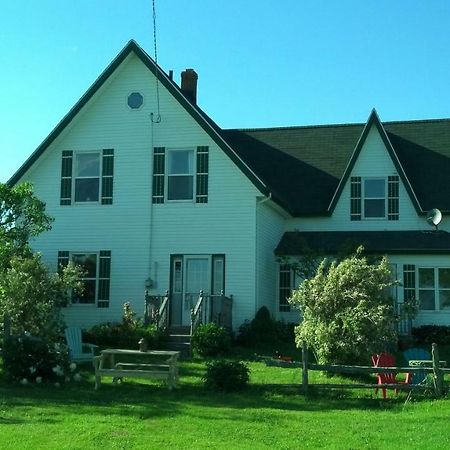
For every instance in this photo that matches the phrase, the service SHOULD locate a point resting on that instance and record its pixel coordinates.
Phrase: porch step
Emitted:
(180, 329)
(174, 338)
(179, 339)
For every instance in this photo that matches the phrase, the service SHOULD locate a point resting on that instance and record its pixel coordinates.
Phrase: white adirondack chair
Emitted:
(79, 352)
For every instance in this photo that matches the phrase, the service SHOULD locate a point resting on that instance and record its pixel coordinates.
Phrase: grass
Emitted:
(144, 414)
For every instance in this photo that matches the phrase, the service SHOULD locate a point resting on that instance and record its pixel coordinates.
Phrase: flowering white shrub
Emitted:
(31, 360)
(347, 314)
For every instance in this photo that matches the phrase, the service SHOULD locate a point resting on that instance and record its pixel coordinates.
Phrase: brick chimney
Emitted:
(189, 79)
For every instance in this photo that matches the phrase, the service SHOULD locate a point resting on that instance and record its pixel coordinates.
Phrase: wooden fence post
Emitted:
(438, 375)
(304, 367)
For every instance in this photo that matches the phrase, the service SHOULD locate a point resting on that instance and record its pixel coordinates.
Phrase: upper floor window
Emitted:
(135, 100)
(180, 174)
(374, 198)
(87, 177)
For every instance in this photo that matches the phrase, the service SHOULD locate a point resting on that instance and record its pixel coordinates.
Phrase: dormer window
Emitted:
(374, 195)
(374, 198)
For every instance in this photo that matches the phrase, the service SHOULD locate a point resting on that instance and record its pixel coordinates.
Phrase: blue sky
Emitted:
(261, 63)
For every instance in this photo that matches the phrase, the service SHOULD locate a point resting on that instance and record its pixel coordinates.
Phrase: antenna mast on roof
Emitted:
(156, 119)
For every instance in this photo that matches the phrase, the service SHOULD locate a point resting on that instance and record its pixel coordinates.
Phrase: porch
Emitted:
(207, 308)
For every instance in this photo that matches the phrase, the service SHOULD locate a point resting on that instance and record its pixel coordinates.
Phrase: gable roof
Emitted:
(374, 120)
(308, 166)
(305, 168)
(202, 119)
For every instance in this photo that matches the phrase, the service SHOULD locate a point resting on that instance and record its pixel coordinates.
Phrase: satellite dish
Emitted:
(434, 217)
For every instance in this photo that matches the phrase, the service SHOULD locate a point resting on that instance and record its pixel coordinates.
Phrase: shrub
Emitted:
(30, 359)
(429, 334)
(116, 334)
(226, 376)
(347, 315)
(264, 329)
(210, 340)
(125, 334)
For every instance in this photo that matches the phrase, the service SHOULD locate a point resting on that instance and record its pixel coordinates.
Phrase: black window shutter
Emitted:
(66, 177)
(159, 161)
(393, 197)
(202, 175)
(104, 276)
(409, 282)
(107, 176)
(355, 198)
(63, 260)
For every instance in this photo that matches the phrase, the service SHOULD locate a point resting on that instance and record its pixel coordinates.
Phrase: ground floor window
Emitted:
(285, 280)
(96, 268)
(433, 288)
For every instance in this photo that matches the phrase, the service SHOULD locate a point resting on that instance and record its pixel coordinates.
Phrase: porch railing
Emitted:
(157, 310)
(215, 308)
(404, 323)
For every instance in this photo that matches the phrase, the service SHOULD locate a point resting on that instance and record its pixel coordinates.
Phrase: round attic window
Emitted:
(135, 100)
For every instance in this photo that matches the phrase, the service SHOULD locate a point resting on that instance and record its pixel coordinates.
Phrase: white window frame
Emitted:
(167, 174)
(363, 198)
(435, 289)
(75, 177)
(285, 308)
(97, 275)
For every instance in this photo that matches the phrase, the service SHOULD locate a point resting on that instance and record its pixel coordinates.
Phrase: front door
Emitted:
(197, 278)
(190, 275)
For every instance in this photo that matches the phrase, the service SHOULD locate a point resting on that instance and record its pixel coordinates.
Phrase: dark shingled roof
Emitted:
(333, 242)
(303, 165)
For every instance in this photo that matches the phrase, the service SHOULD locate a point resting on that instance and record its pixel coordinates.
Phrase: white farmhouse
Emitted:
(158, 197)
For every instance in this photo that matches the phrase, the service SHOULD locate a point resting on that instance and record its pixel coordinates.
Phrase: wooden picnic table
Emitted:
(118, 363)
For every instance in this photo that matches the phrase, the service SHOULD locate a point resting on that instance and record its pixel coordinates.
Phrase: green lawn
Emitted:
(144, 414)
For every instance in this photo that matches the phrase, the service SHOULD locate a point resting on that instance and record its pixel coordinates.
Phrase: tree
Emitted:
(32, 296)
(22, 217)
(347, 314)
(29, 293)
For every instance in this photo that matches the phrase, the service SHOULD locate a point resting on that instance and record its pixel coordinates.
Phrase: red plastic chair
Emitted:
(385, 360)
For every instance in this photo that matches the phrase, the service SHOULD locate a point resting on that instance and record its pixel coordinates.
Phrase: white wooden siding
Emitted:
(269, 230)
(226, 224)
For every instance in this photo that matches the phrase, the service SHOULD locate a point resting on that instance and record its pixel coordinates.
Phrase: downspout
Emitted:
(258, 203)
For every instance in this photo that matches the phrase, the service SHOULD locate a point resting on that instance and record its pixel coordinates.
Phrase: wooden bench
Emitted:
(167, 371)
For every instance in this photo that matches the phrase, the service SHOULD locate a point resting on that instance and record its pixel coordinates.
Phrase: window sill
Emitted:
(81, 305)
